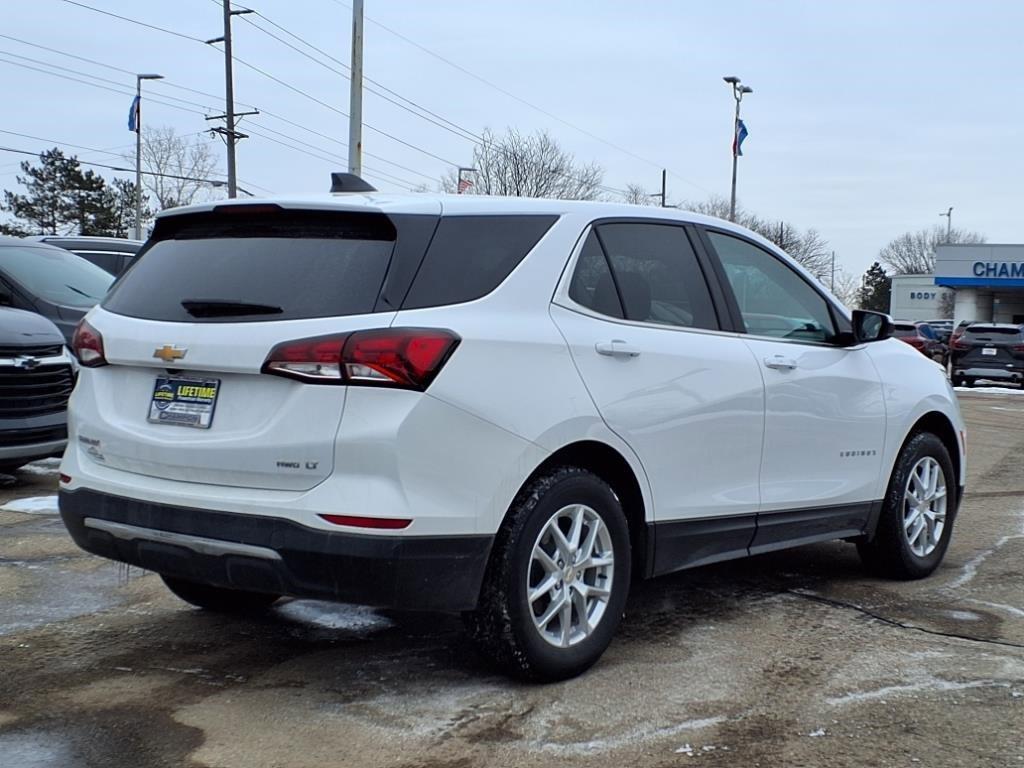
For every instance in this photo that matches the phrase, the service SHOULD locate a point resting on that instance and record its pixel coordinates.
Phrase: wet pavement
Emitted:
(791, 659)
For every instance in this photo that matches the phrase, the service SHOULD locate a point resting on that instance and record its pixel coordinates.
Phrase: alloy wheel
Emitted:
(924, 506)
(569, 579)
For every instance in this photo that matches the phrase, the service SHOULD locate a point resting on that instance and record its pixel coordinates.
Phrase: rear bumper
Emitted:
(982, 372)
(279, 556)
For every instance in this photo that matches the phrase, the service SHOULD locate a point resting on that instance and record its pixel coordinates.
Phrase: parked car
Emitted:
(111, 254)
(501, 407)
(988, 351)
(921, 338)
(35, 383)
(943, 329)
(51, 281)
(940, 350)
(958, 331)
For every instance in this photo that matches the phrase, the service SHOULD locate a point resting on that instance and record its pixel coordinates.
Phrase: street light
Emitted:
(738, 92)
(138, 150)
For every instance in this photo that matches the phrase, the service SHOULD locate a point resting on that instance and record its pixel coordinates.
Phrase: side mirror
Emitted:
(871, 326)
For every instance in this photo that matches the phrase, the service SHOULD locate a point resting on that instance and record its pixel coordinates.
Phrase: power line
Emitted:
(171, 84)
(521, 100)
(94, 85)
(135, 21)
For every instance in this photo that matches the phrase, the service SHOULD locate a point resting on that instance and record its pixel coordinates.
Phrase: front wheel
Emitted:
(558, 578)
(219, 599)
(917, 514)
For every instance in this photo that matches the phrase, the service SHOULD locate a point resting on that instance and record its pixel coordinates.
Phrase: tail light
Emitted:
(87, 345)
(1018, 348)
(406, 358)
(957, 344)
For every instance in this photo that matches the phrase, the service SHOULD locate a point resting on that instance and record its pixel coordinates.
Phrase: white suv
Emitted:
(505, 407)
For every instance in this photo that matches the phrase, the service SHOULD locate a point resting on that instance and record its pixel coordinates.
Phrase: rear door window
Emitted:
(244, 267)
(656, 274)
(592, 285)
(471, 255)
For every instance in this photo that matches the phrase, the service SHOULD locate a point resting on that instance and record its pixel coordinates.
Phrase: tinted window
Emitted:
(105, 260)
(899, 330)
(471, 255)
(55, 275)
(926, 331)
(282, 266)
(996, 334)
(657, 274)
(592, 285)
(773, 299)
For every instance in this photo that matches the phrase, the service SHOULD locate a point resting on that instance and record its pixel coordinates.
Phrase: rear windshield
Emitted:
(245, 267)
(905, 330)
(996, 333)
(55, 275)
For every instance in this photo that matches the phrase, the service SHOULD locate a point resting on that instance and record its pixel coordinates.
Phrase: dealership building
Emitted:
(987, 282)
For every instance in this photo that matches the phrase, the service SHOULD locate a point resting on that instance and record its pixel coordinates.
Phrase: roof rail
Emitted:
(349, 182)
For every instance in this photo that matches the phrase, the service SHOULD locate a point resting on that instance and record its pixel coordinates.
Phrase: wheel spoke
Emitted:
(564, 548)
(552, 610)
(594, 591)
(913, 518)
(587, 547)
(544, 587)
(565, 617)
(546, 561)
(576, 529)
(580, 603)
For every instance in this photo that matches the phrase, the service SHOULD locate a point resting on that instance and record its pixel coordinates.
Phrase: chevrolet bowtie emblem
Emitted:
(167, 353)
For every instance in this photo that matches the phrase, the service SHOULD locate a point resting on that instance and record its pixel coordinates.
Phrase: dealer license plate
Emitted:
(184, 402)
(989, 351)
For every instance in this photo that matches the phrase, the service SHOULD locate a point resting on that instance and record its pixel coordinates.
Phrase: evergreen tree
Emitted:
(875, 289)
(46, 207)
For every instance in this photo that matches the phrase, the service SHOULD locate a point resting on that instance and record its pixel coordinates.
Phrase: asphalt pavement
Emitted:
(792, 659)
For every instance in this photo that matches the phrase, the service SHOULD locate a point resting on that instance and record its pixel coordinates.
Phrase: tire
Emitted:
(219, 599)
(506, 624)
(895, 551)
(959, 381)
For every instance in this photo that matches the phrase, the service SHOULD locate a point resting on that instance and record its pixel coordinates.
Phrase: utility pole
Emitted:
(949, 223)
(137, 116)
(355, 112)
(231, 136)
(738, 91)
(663, 174)
(833, 288)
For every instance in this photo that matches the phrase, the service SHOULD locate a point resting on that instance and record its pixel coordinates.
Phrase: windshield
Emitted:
(55, 275)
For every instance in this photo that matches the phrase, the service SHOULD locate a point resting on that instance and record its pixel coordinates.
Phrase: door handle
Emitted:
(780, 363)
(616, 348)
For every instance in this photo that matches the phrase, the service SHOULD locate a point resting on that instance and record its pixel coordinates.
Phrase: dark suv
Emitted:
(35, 381)
(51, 281)
(111, 254)
(988, 351)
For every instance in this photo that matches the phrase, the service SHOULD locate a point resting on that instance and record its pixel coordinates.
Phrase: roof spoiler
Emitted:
(349, 182)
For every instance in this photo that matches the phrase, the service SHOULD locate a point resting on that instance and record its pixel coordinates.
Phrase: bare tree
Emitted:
(637, 195)
(913, 253)
(535, 165)
(808, 246)
(846, 288)
(947, 304)
(182, 164)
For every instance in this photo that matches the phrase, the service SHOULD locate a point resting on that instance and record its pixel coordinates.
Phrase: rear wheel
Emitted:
(558, 578)
(917, 514)
(219, 599)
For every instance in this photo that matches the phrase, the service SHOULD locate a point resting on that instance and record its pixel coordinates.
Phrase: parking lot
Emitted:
(795, 659)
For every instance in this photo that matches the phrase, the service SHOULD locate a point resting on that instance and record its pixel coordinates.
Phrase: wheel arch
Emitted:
(939, 425)
(610, 465)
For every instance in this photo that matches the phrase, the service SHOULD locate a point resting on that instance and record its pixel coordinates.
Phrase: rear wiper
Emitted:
(226, 308)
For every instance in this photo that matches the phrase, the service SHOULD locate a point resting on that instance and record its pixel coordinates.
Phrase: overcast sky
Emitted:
(867, 119)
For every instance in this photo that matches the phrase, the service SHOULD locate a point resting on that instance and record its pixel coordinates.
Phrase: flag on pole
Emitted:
(737, 140)
(134, 118)
(464, 184)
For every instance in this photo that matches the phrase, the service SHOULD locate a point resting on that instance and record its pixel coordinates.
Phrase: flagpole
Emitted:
(138, 150)
(738, 91)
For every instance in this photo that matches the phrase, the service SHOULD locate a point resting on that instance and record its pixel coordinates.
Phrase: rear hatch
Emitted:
(995, 346)
(187, 330)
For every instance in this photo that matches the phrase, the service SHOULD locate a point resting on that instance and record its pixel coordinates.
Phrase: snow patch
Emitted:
(33, 505)
(1010, 609)
(970, 568)
(925, 686)
(643, 733)
(990, 390)
(816, 733)
(355, 618)
(44, 468)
